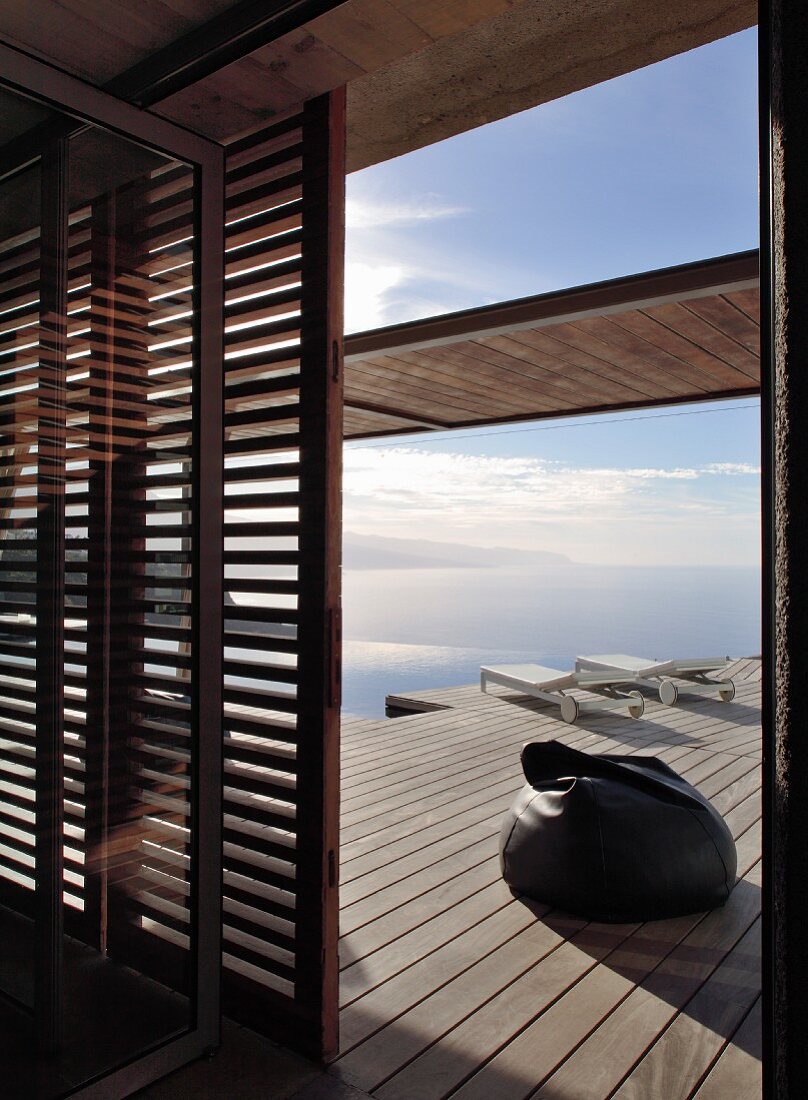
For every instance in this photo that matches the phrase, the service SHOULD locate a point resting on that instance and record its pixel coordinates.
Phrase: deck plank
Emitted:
(737, 1072)
(452, 986)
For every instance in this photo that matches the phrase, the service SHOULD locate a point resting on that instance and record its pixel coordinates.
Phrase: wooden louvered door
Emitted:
(111, 334)
(283, 440)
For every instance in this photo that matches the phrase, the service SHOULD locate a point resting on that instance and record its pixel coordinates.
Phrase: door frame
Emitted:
(35, 80)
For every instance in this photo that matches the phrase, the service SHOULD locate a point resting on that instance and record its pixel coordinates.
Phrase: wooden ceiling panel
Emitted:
(701, 333)
(96, 39)
(707, 367)
(99, 41)
(727, 318)
(631, 353)
(395, 387)
(526, 377)
(480, 388)
(234, 100)
(517, 368)
(748, 301)
(666, 337)
(419, 70)
(573, 365)
(499, 373)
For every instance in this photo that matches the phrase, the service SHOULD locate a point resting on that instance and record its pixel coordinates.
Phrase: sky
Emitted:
(655, 168)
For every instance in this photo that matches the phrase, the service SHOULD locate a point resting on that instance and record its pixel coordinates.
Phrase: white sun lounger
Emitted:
(550, 684)
(658, 674)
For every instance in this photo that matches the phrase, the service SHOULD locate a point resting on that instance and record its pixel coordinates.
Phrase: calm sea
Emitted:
(407, 629)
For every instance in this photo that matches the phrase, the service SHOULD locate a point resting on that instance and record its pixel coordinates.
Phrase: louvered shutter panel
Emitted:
(283, 439)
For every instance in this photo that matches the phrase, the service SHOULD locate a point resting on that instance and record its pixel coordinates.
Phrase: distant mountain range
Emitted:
(379, 552)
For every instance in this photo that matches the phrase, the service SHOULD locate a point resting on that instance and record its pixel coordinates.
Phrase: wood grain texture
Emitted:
(450, 986)
(606, 358)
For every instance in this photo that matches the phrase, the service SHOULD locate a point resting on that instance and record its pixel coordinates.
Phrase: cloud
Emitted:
(367, 286)
(409, 473)
(397, 271)
(386, 280)
(732, 469)
(589, 512)
(366, 213)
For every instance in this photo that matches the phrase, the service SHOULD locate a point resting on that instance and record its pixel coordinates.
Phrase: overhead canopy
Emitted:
(666, 337)
(418, 71)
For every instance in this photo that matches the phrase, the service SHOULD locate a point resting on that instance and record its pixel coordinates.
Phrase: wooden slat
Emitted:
(281, 438)
(449, 986)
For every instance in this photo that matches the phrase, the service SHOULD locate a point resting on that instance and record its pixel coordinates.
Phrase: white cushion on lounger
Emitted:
(548, 679)
(642, 666)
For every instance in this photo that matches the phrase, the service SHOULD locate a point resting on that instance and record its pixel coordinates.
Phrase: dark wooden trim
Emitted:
(236, 32)
(208, 595)
(320, 547)
(227, 37)
(768, 549)
(566, 414)
(62, 92)
(671, 284)
(49, 827)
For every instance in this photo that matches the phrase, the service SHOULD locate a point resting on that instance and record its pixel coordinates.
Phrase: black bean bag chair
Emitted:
(614, 838)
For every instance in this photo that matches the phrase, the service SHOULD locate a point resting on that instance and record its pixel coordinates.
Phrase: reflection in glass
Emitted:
(129, 690)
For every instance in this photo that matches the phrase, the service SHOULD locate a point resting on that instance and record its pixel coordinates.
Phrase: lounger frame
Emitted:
(570, 706)
(661, 676)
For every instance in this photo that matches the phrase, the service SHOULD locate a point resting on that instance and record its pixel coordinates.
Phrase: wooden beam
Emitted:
(320, 541)
(383, 411)
(565, 414)
(721, 275)
(234, 33)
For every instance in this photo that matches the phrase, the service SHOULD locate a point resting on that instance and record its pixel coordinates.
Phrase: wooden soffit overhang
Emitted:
(417, 71)
(667, 337)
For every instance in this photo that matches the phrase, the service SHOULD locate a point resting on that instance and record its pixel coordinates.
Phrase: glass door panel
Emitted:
(19, 387)
(101, 343)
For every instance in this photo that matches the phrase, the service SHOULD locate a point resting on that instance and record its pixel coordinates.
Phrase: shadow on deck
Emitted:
(452, 987)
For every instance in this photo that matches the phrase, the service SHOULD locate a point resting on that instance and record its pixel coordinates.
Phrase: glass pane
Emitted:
(128, 613)
(19, 348)
(129, 689)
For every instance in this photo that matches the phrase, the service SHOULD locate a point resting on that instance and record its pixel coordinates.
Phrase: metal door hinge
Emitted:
(336, 359)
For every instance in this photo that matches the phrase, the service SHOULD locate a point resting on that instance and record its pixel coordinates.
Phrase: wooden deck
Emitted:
(451, 987)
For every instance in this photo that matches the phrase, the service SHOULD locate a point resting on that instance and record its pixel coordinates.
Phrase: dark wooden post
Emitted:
(784, 255)
(320, 541)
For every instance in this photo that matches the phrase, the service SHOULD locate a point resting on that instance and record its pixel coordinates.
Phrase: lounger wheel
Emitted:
(727, 691)
(668, 692)
(637, 707)
(569, 709)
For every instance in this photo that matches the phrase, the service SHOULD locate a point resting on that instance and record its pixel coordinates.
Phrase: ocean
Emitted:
(408, 629)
